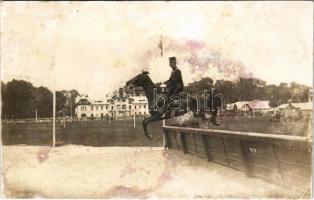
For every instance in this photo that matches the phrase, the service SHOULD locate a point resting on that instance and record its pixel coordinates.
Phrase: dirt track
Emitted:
(125, 172)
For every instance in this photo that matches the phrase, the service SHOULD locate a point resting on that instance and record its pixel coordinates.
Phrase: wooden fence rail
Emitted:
(283, 159)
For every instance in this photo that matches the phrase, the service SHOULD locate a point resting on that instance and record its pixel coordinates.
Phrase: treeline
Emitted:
(247, 89)
(20, 99)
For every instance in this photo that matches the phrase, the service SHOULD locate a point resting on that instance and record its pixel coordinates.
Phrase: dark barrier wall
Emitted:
(282, 159)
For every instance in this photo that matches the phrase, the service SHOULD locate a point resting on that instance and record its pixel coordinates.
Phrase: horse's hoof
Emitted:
(216, 124)
(148, 137)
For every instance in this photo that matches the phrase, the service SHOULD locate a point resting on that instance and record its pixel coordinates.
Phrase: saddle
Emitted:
(166, 99)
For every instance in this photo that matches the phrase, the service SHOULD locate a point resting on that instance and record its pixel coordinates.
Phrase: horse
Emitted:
(161, 107)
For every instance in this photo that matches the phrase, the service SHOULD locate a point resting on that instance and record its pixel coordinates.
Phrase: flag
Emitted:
(160, 46)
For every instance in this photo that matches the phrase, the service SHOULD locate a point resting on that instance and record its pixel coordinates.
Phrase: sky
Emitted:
(95, 47)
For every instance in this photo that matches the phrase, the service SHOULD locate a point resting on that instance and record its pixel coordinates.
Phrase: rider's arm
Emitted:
(168, 81)
(175, 77)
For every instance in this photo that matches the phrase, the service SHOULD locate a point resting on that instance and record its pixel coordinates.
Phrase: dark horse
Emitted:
(160, 107)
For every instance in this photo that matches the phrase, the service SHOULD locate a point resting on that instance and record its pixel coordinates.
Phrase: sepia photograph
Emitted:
(156, 100)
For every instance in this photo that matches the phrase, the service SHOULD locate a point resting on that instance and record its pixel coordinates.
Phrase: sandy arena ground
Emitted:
(122, 172)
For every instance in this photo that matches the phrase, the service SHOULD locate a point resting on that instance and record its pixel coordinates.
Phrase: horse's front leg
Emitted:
(144, 123)
(153, 118)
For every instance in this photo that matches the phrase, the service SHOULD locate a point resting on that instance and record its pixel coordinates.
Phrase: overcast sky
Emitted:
(95, 47)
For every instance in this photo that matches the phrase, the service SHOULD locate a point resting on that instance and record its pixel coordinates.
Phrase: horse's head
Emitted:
(140, 80)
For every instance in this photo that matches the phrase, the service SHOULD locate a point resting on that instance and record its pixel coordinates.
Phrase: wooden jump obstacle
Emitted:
(281, 159)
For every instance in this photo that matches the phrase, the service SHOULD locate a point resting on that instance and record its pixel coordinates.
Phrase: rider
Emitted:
(175, 83)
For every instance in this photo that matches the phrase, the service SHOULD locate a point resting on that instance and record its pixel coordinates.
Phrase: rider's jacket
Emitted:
(175, 83)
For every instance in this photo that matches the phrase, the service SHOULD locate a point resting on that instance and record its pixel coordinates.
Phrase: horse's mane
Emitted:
(150, 80)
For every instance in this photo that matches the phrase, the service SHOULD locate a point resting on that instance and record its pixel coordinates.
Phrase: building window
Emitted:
(144, 106)
(96, 107)
(135, 106)
(106, 107)
(101, 108)
(139, 106)
(111, 107)
(83, 108)
(92, 107)
(140, 113)
(130, 107)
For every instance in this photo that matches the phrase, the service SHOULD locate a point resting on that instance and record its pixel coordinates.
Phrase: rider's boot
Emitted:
(167, 113)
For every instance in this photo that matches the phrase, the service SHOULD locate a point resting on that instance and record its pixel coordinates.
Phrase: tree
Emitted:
(3, 100)
(65, 101)
(245, 89)
(43, 100)
(20, 101)
(60, 102)
(74, 94)
(248, 89)
(198, 87)
(227, 89)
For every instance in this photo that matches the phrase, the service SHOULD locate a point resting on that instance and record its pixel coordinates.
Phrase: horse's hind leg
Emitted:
(148, 120)
(144, 123)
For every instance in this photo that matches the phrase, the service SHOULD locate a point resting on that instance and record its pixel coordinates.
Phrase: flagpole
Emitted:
(161, 54)
(54, 120)
(163, 121)
(53, 56)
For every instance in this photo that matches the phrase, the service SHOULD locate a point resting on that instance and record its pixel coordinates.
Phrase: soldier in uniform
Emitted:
(175, 83)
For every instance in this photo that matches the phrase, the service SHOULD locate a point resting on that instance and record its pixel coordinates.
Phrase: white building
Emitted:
(83, 107)
(100, 109)
(139, 105)
(121, 107)
(115, 107)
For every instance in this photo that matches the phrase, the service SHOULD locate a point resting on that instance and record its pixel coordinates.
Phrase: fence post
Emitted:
(223, 143)
(166, 142)
(182, 138)
(195, 145)
(245, 157)
(36, 115)
(205, 141)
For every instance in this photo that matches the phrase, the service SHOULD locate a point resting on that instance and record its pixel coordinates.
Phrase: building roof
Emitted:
(239, 104)
(255, 105)
(139, 99)
(259, 105)
(83, 101)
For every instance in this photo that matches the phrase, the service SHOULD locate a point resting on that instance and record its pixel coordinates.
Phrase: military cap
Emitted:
(172, 59)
